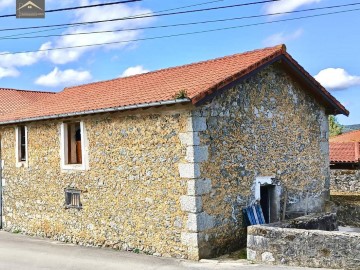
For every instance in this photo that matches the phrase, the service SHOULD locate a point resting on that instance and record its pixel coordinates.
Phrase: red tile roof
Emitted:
(14, 99)
(353, 136)
(344, 152)
(198, 80)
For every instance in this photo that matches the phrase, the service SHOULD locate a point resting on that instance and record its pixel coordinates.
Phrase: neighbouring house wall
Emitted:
(130, 193)
(345, 193)
(306, 248)
(345, 180)
(264, 126)
(347, 208)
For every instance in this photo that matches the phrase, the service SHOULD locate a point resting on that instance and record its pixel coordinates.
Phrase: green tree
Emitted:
(334, 126)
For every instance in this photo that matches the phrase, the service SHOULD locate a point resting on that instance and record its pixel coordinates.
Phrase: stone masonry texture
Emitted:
(173, 181)
(265, 126)
(306, 248)
(345, 193)
(130, 194)
(345, 180)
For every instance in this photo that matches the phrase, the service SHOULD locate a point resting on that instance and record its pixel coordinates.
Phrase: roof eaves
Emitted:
(240, 75)
(338, 107)
(278, 55)
(105, 110)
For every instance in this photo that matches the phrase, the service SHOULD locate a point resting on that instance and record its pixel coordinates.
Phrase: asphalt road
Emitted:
(23, 252)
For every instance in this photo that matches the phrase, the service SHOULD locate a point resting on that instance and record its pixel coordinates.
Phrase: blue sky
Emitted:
(327, 47)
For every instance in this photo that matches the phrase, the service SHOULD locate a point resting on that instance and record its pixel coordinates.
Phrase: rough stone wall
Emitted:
(264, 126)
(306, 248)
(345, 180)
(347, 208)
(130, 193)
(323, 221)
(345, 193)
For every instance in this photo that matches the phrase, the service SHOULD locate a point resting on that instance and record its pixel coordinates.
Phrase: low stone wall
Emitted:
(345, 180)
(307, 248)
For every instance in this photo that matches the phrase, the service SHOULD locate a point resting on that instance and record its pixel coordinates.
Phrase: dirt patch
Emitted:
(236, 255)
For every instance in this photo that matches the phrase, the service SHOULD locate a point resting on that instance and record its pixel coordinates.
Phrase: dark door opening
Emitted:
(267, 193)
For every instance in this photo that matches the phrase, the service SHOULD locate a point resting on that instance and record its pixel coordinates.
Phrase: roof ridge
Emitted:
(279, 47)
(23, 90)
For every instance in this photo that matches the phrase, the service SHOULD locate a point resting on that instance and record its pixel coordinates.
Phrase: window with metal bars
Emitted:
(72, 198)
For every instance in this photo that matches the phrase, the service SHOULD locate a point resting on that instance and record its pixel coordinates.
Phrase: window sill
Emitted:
(75, 167)
(73, 207)
(22, 164)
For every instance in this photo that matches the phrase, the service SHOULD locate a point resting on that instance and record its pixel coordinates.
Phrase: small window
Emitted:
(73, 142)
(73, 145)
(21, 147)
(72, 198)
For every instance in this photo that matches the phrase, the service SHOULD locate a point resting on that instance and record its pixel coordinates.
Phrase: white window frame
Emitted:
(64, 148)
(21, 163)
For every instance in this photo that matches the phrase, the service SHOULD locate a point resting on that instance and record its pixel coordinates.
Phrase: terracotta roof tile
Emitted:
(14, 99)
(344, 152)
(353, 136)
(198, 80)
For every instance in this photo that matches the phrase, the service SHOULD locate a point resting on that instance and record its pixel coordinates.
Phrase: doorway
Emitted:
(268, 203)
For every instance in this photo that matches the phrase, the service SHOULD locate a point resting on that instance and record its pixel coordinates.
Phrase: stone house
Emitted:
(345, 162)
(345, 177)
(165, 161)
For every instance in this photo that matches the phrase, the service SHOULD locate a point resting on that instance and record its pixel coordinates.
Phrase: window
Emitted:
(72, 198)
(73, 146)
(21, 145)
(73, 138)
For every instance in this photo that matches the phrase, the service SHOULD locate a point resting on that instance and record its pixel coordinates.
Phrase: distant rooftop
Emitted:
(344, 152)
(352, 136)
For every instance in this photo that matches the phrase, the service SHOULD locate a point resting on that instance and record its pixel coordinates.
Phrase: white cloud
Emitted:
(98, 13)
(280, 38)
(133, 71)
(6, 3)
(22, 59)
(10, 62)
(8, 72)
(288, 5)
(337, 79)
(68, 77)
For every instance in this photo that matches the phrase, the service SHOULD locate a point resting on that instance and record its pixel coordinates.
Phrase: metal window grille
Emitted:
(72, 198)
